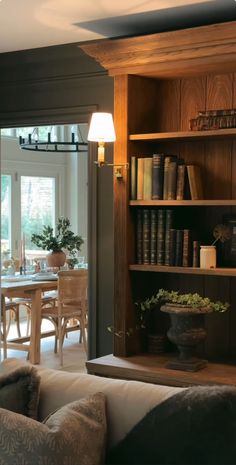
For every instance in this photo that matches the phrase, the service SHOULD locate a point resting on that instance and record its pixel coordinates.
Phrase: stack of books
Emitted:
(159, 243)
(164, 177)
(213, 119)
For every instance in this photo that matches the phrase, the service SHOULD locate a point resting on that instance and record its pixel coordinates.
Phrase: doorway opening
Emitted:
(36, 189)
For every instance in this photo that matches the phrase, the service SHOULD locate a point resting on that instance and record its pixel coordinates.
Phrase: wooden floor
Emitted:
(74, 356)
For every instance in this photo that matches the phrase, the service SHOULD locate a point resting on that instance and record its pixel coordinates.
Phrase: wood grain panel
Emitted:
(168, 106)
(122, 297)
(142, 110)
(218, 155)
(219, 92)
(218, 170)
(193, 99)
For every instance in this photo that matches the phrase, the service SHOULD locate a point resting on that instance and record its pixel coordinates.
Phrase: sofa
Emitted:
(165, 424)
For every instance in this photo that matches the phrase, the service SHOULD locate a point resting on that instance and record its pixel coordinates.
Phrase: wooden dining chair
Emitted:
(71, 304)
(10, 309)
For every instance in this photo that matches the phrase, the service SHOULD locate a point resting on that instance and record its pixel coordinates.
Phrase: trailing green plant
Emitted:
(192, 299)
(63, 238)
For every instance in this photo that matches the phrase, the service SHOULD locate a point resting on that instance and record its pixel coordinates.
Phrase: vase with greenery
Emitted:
(56, 243)
(187, 327)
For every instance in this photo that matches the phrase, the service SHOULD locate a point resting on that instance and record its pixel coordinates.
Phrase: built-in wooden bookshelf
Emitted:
(161, 81)
(186, 203)
(231, 272)
(186, 135)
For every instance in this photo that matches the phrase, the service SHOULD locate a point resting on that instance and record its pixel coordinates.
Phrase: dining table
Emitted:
(27, 287)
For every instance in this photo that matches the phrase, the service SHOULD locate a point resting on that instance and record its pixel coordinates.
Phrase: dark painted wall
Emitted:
(63, 81)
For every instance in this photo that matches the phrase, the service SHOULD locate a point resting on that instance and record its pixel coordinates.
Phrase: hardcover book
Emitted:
(168, 226)
(139, 237)
(171, 180)
(140, 178)
(179, 248)
(146, 236)
(160, 236)
(195, 182)
(157, 176)
(133, 178)
(147, 178)
(196, 254)
(180, 184)
(172, 246)
(153, 237)
(186, 248)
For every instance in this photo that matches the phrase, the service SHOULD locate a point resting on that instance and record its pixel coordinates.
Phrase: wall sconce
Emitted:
(102, 130)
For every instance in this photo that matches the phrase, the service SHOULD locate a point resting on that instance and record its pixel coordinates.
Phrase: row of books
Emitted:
(158, 243)
(213, 119)
(164, 177)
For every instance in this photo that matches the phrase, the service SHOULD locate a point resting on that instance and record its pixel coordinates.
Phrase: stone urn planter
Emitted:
(56, 259)
(187, 330)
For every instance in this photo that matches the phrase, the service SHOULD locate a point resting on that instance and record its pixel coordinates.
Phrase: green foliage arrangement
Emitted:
(63, 238)
(192, 299)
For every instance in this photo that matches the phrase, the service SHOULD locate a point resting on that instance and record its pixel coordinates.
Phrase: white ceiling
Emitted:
(26, 24)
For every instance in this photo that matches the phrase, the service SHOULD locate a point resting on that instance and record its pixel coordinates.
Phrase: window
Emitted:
(5, 213)
(37, 206)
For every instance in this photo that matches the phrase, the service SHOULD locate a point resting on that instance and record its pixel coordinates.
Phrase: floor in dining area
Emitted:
(74, 356)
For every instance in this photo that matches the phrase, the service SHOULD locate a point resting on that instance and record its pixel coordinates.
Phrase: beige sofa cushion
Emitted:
(73, 435)
(127, 401)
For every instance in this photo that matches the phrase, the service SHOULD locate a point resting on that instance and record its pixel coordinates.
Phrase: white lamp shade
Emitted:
(101, 128)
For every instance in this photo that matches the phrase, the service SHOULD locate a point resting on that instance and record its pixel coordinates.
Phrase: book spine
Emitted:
(179, 248)
(147, 178)
(146, 236)
(171, 180)
(196, 254)
(172, 246)
(186, 248)
(157, 176)
(133, 178)
(195, 182)
(139, 237)
(160, 236)
(153, 237)
(180, 185)
(168, 226)
(167, 160)
(140, 178)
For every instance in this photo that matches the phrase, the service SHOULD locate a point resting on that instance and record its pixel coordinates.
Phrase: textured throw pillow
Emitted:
(73, 435)
(19, 390)
(196, 426)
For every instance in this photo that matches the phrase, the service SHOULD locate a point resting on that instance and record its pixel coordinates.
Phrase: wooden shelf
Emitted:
(185, 270)
(183, 203)
(187, 135)
(151, 369)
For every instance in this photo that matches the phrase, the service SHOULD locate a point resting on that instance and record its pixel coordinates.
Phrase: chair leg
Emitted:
(4, 327)
(60, 340)
(83, 332)
(17, 319)
(28, 321)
